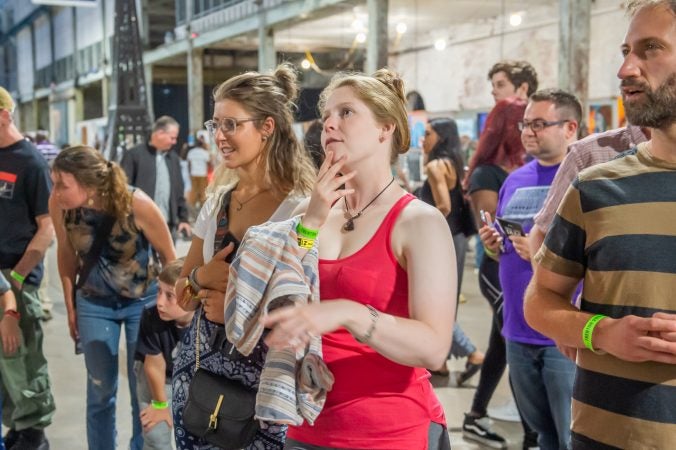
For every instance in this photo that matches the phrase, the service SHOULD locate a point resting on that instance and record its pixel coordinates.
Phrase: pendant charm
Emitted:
(349, 225)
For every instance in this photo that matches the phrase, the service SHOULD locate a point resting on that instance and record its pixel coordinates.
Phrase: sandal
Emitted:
(470, 370)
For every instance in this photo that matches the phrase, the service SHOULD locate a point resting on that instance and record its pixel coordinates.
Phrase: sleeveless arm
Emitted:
(440, 172)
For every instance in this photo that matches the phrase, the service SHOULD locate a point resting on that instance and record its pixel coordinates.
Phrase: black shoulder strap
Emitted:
(100, 236)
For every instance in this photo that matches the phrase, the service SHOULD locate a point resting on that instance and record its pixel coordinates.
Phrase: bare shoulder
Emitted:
(436, 169)
(420, 229)
(140, 202)
(419, 215)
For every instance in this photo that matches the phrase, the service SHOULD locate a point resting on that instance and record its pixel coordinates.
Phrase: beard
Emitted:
(657, 109)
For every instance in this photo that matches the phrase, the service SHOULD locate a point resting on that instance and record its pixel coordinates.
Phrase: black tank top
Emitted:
(457, 203)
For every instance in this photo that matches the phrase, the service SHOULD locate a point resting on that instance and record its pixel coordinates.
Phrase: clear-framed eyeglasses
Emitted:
(539, 124)
(227, 125)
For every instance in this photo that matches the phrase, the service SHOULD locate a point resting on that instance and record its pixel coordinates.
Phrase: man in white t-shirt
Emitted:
(199, 163)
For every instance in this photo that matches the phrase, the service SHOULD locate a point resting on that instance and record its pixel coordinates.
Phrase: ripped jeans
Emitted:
(100, 322)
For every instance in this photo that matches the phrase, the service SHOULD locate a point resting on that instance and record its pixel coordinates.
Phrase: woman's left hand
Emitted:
(214, 274)
(213, 302)
(294, 326)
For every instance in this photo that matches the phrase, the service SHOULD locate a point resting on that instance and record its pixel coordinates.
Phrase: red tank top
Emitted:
(375, 403)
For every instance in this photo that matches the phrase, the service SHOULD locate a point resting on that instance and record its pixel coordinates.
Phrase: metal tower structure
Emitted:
(128, 118)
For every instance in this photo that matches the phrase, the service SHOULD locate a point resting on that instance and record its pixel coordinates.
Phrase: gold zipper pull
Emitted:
(213, 418)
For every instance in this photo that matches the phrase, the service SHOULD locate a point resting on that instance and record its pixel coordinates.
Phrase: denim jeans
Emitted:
(161, 436)
(542, 379)
(100, 321)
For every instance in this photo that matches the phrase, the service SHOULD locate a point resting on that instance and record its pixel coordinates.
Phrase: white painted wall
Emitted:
(455, 79)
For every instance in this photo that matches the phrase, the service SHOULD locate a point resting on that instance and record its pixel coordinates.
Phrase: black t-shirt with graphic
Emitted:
(24, 194)
(157, 336)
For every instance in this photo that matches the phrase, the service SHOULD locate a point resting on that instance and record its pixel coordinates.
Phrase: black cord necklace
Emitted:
(349, 225)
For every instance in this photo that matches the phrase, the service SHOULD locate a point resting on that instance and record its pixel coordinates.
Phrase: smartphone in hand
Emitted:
(227, 239)
(510, 227)
(484, 218)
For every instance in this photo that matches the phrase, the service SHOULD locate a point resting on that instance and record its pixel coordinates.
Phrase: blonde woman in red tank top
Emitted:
(385, 260)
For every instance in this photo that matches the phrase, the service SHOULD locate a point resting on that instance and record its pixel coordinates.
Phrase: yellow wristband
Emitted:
(305, 243)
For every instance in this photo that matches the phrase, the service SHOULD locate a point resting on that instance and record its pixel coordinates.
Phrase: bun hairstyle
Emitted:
(287, 165)
(384, 94)
(92, 171)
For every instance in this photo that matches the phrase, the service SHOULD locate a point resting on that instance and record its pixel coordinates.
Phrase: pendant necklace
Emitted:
(241, 204)
(349, 225)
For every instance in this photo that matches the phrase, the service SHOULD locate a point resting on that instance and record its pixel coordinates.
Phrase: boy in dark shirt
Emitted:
(161, 328)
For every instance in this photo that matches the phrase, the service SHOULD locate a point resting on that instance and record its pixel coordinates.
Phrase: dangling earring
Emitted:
(264, 138)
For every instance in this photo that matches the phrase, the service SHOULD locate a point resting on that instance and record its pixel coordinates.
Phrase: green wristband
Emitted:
(490, 252)
(588, 330)
(306, 232)
(17, 276)
(159, 405)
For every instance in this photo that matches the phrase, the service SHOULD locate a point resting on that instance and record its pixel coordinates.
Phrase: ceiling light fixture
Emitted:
(440, 44)
(515, 19)
(401, 28)
(305, 64)
(360, 37)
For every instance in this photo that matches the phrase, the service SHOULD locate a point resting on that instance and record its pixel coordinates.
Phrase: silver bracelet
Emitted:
(374, 318)
(192, 278)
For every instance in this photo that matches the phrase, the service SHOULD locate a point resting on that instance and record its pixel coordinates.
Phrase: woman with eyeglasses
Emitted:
(269, 174)
(499, 152)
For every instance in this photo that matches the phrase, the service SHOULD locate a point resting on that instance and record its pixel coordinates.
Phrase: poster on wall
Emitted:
(87, 3)
(600, 118)
(412, 160)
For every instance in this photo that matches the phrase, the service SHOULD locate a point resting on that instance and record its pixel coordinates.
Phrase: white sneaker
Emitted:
(506, 412)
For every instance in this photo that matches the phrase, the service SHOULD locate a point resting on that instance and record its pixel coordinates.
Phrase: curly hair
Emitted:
(383, 94)
(518, 72)
(91, 170)
(500, 143)
(287, 165)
